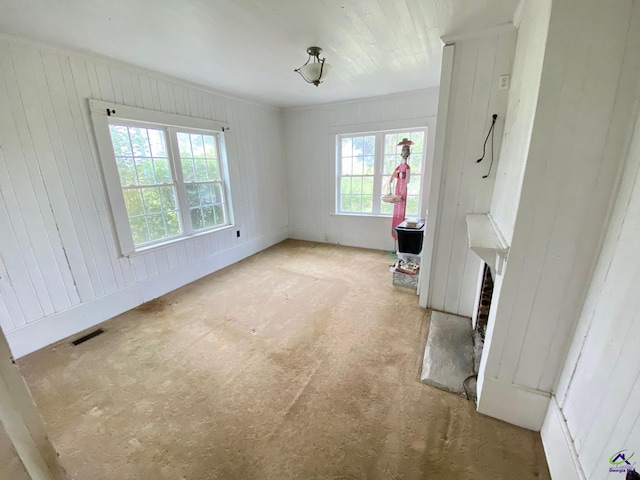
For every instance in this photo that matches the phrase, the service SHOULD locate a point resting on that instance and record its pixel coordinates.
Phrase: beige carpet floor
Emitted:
(301, 362)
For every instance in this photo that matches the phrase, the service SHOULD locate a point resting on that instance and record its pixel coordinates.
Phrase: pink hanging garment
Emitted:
(399, 208)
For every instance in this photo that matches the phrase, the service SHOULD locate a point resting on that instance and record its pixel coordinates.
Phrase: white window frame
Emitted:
(379, 130)
(104, 114)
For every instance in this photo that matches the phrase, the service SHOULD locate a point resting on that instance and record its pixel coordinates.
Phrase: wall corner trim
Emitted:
(559, 448)
(515, 404)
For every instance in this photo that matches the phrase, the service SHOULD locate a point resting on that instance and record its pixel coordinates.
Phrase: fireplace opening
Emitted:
(481, 317)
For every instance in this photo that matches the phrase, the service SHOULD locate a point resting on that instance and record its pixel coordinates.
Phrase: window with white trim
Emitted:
(165, 182)
(365, 163)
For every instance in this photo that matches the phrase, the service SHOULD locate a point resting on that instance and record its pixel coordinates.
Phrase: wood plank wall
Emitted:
(478, 62)
(583, 124)
(310, 153)
(599, 392)
(57, 248)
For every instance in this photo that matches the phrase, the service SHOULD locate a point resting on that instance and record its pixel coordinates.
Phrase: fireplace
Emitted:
(483, 300)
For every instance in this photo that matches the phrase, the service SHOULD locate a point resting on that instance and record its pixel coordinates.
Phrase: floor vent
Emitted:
(88, 336)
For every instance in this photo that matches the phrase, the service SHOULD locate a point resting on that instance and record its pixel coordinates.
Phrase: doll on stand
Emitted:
(401, 176)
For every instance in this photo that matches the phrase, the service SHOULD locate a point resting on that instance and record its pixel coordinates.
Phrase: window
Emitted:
(165, 181)
(365, 163)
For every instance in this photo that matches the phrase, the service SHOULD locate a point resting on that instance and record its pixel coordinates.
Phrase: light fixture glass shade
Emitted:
(312, 72)
(315, 70)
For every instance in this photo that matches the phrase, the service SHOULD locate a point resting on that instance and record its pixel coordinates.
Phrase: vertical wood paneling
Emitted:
(58, 245)
(600, 398)
(17, 256)
(474, 97)
(573, 160)
(64, 200)
(98, 223)
(50, 267)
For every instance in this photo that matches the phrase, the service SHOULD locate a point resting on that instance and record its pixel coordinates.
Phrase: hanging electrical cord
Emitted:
(484, 146)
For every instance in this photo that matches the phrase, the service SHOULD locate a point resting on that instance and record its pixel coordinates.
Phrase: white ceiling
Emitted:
(249, 48)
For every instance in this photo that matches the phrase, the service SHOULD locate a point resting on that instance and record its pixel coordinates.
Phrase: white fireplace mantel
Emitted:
(486, 240)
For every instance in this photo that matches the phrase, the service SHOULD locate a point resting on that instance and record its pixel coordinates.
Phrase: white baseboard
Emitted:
(306, 233)
(512, 403)
(61, 325)
(155, 287)
(58, 326)
(562, 457)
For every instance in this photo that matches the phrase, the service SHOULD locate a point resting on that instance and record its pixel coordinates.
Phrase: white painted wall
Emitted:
(582, 126)
(599, 392)
(59, 267)
(310, 155)
(478, 62)
(521, 110)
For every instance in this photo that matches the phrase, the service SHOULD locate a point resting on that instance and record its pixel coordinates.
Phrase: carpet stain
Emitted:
(157, 305)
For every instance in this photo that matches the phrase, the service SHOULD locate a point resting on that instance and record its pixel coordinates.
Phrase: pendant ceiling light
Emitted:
(315, 70)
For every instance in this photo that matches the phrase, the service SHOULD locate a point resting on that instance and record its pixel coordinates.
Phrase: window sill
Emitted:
(361, 215)
(173, 241)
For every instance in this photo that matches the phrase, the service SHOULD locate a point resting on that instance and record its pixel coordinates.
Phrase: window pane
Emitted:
(358, 166)
(163, 172)
(220, 214)
(369, 165)
(139, 230)
(139, 142)
(127, 171)
(173, 223)
(214, 170)
(188, 171)
(197, 146)
(200, 165)
(386, 208)
(346, 166)
(358, 146)
(369, 145)
(144, 167)
(367, 185)
(217, 193)
(133, 202)
(356, 185)
(156, 227)
(346, 147)
(146, 172)
(345, 203)
(196, 219)
(158, 143)
(206, 194)
(412, 206)
(167, 198)
(209, 216)
(120, 141)
(184, 145)
(151, 198)
(367, 204)
(210, 148)
(193, 195)
(345, 185)
(413, 188)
